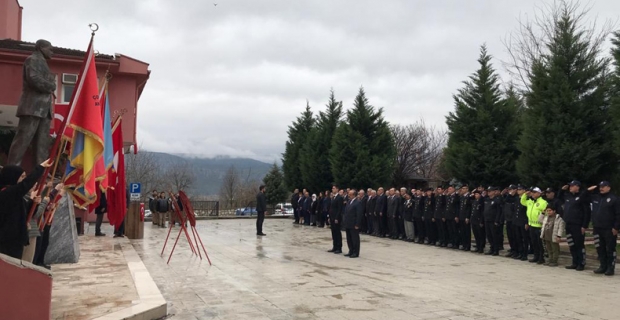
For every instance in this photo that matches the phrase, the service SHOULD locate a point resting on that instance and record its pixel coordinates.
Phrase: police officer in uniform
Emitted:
(335, 220)
(492, 216)
(509, 207)
(464, 219)
(418, 222)
(519, 221)
(576, 215)
(429, 221)
(477, 221)
(440, 219)
(452, 213)
(606, 222)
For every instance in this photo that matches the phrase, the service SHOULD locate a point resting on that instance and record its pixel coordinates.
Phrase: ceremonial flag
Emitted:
(116, 196)
(85, 118)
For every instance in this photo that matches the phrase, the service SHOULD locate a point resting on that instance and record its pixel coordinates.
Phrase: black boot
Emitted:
(610, 271)
(600, 270)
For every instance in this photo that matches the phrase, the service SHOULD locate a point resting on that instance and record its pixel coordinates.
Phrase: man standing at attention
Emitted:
(335, 218)
(261, 207)
(354, 212)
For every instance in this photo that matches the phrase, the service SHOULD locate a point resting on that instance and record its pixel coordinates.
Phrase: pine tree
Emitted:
(566, 120)
(315, 167)
(362, 153)
(297, 136)
(276, 191)
(615, 100)
(482, 130)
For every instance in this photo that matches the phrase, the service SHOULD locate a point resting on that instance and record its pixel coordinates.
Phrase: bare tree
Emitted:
(145, 169)
(528, 44)
(180, 176)
(419, 149)
(230, 187)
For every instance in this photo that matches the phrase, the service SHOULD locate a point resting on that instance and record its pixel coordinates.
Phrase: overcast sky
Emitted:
(229, 79)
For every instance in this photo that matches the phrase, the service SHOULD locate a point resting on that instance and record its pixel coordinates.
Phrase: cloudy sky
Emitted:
(229, 79)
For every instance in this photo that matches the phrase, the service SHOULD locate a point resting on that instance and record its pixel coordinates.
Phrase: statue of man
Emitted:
(35, 106)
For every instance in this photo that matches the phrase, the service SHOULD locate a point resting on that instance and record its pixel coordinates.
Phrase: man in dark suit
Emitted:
(364, 199)
(370, 211)
(261, 207)
(295, 204)
(352, 221)
(335, 220)
(392, 207)
(381, 213)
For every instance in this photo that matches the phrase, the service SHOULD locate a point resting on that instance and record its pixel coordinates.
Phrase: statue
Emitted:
(35, 107)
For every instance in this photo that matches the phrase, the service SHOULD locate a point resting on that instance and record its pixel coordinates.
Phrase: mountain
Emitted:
(209, 172)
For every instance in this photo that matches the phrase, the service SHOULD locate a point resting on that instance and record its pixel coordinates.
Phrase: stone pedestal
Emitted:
(134, 223)
(64, 246)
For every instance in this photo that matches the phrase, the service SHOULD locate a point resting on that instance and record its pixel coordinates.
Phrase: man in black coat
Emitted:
(606, 222)
(429, 221)
(519, 220)
(418, 214)
(576, 215)
(352, 222)
(335, 219)
(101, 209)
(261, 207)
(509, 207)
(477, 221)
(463, 219)
(452, 213)
(370, 211)
(440, 218)
(381, 213)
(492, 216)
(392, 209)
(295, 204)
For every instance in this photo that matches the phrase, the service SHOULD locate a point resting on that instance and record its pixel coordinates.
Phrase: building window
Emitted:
(68, 85)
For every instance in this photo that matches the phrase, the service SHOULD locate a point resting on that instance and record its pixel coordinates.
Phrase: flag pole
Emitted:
(56, 147)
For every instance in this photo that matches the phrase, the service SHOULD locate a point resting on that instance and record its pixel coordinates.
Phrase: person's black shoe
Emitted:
(331, 250)
(516, 256)
(580, 267)
(348, 254)
(338, 251)
(523, 258)
(571, 267)
(261, 234)
(541, 261)
(609, 272)
(119, 236)
(496, 253)
(450, 245)
(533, 260)
(100, 234)
(600, 270)
(509, 254)
(354, 256)
(488, 253)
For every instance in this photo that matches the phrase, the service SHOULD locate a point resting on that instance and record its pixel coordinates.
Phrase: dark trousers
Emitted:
(492, 235)
(306, 217)
(336, 236)
(98, 223)
(441, 231)
(42, 247)
(522, 237)
(431, 230)
(369, 223)
(120, 231)
(465, 234)
(393, 226)
(576, 243)
(419, 229)
(376, 225)
(353, 241)
(364, 225)
(452, 235)
(512, 238)
(13, 249)
(479, 236)
(259, 222)
(605, 243)
(296, 215)
(383, 221)
(401, 225)
(324, 218)
(537, 245)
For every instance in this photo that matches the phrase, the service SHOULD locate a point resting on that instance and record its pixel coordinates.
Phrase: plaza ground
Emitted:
(289, 275)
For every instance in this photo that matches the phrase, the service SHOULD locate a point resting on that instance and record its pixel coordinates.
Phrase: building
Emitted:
(128, 79)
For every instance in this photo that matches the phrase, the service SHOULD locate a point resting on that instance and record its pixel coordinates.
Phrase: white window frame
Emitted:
(63, 99)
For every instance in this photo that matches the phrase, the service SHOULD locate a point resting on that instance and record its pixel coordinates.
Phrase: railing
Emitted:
(217, 209)
(206, 208)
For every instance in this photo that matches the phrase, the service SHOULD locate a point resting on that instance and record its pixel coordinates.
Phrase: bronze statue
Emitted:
(35, 106)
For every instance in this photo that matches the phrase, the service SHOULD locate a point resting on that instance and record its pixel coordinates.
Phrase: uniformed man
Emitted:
(452, 214)
(477, 221)
(576, 215)
(519, 221)
(510, 203)
(536, 206)
(440, 218)
(418, 213)
(552, 200)
(335, 219)
(381, 213)
(429, 220)
(606, 222)
(463, 219)
(492, 216)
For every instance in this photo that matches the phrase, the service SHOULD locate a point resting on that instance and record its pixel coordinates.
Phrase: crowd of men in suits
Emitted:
(448, 217)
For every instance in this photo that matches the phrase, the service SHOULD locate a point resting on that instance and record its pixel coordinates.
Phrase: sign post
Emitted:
(135, 216)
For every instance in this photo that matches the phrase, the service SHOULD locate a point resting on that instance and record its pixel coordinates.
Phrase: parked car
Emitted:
(284, 209)
(247, 211)
(147, 213)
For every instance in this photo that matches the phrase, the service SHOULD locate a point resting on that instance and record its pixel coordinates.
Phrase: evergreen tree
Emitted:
(274, 183)
(297, 136)
(315, 167)
(566, 128)
(483, 129)
(362, 153)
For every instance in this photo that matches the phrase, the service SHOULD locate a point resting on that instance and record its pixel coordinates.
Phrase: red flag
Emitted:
(116, 196)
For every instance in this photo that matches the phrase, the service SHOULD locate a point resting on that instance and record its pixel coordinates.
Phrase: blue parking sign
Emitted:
(134, 188)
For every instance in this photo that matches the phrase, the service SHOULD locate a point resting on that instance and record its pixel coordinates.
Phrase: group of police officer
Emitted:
(447, 217)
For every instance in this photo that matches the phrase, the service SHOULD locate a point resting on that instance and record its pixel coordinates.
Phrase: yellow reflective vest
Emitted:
(535, 208)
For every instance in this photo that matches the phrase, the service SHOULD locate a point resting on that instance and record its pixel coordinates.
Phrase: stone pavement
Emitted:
(289, 275)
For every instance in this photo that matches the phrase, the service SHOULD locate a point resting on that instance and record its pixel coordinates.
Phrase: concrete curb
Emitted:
(152, 304)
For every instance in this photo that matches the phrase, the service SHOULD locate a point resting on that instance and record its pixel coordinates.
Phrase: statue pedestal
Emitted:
(64, 246)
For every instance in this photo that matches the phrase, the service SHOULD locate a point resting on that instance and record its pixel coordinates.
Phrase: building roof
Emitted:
(23, 46)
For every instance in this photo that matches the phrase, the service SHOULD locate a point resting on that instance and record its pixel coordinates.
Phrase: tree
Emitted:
(230, 187)
(145, 169)
(615, 98)
(297, 136)
(274, 183)
(179, 175)
(316, 170)
(566, 123)
(482, 130)
(362, 153)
